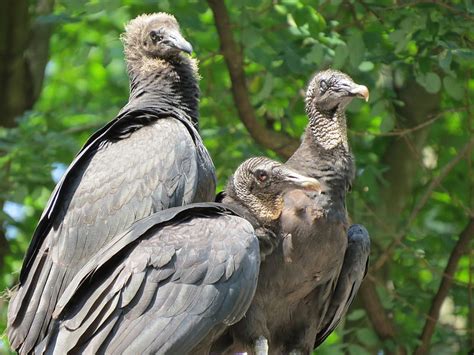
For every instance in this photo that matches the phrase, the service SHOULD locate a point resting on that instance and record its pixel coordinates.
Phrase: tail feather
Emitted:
(30, 311)
(23, 314)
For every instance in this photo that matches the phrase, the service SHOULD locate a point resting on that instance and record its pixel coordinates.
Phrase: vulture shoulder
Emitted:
(161, 286)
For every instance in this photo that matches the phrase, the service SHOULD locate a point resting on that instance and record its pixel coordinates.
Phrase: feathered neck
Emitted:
(324, 154)
(328, 129)
(171, 82)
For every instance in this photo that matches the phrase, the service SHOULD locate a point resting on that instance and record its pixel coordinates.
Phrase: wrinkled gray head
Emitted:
(154, 36)
(259, 184)
(331, 90)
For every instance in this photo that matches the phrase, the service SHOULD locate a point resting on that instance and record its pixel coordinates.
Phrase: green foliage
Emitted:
(385, 45)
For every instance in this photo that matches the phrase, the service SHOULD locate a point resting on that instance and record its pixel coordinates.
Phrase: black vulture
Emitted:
(306, 285)
(178, 278)
(149, 158)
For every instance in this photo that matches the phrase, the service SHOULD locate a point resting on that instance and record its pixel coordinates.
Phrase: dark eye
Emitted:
(155, 36)
(261, 175)
(323, 86)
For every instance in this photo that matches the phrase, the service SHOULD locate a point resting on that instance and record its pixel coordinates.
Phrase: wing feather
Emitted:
(174, 314)
(131, 288)
(350, 278)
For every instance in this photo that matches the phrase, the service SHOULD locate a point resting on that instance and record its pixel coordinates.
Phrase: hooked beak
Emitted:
(360, 91)
(295, 180)
(354, 89)
(176, 40)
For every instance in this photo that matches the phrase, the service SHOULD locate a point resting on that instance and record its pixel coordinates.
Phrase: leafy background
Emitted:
(62, 76)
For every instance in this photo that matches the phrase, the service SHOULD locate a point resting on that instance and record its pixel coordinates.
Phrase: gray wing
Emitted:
(104, 191)
(160, 289)
(353, 271)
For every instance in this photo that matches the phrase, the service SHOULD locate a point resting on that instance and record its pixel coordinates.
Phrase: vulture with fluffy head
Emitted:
(148, 158)
(307, 284)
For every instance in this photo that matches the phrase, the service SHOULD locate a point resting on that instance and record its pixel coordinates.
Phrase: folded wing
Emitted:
(353, 271)
(162, 287)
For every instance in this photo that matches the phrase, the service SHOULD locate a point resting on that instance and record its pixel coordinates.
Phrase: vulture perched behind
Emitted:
(306, 285)
(175, 279)
(149, 158)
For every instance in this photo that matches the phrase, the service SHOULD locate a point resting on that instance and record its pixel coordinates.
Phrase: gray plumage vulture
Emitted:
(176, 279)
(149, 158)
(307, 284)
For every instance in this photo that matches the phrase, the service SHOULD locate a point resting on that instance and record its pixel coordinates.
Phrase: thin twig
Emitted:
(403, 132)
(369, 9)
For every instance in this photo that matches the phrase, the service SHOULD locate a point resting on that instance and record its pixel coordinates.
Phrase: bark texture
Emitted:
(24, 52)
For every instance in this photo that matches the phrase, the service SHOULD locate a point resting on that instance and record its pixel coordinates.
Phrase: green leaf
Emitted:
(453, 87)
(387, 124)
(430, 81)
(379, 108)
(433, 83)
(401, 39)
(356, 315)
(280, 9)
(445, 59)
(340, 56)
(366, 336)
(366, 66)
(356, 48)
(266, 89)
(315, 55)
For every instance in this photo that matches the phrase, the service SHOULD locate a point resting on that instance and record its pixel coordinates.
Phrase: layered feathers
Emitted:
(163, 286)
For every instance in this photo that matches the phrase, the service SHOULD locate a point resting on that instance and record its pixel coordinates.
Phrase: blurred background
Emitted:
(62, 76)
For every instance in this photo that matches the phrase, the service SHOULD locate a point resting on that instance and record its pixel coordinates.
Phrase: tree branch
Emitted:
(401, 153)
(4, 248)
(24, 52)
(422, 202)
(375, 310)
(460, 249)
(401, 156)
(23, 57)
(282, 144)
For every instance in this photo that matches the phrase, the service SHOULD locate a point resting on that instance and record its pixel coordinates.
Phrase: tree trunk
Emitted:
(24, 52)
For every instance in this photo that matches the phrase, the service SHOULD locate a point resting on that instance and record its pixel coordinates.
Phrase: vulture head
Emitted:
(331, 91)
(154, 36)
(259, 185)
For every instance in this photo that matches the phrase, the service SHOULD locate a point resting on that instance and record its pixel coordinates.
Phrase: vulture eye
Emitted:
(155, 36)
(323, 86)
(261, 175)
